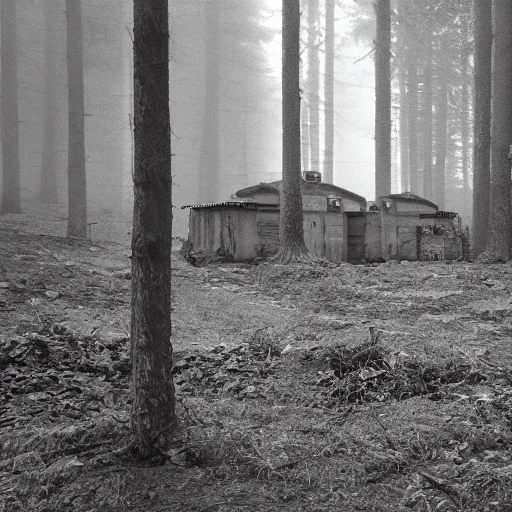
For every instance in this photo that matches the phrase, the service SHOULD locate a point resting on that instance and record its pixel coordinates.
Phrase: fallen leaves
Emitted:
(56, 373)
(241, 371)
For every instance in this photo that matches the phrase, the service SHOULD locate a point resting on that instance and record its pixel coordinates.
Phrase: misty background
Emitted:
(225, 105)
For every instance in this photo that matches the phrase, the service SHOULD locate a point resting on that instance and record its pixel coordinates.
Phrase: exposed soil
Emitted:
(315, 388)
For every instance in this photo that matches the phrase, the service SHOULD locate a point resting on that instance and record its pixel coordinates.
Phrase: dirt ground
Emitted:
(307, 388)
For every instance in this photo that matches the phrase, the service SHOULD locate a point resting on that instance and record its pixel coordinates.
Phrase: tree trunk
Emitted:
(77, 199)
(11, 194)
(209, 173)
(291, 231)
(427, 138)
(412, 115)
(304, 135)
(482, 127)
(441, 134)
(464, 116)
(383, 100)
(501, 133)
(153, 402)
(328, 174)
(313, 87)
(48, 192)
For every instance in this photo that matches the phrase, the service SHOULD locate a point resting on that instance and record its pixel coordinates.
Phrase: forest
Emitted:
(255, 255)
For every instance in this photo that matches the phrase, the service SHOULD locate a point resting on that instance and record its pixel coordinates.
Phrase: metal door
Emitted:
(356, 237)
(314, 234)
(333, 225)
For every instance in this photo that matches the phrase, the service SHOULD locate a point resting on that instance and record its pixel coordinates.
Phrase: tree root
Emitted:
(127, 449)
(296, 255)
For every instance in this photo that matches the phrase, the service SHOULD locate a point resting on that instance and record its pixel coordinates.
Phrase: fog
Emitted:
(225, 89)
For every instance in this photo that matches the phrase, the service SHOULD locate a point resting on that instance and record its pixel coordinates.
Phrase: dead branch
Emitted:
(443, 486)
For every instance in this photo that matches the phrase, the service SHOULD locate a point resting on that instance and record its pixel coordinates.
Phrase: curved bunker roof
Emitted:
(308, 188)
(411, 198)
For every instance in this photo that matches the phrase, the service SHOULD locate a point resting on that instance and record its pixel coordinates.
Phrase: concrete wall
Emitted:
(381, 235)
(246, 234)
(373, 250)
(399, 234)
(314, 203)
(267, 232)
(226, 232)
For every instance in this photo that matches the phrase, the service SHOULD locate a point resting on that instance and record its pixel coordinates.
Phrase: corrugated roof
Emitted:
(439, 213)
(234, 204)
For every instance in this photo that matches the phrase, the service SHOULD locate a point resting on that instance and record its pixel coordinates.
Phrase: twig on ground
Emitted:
(342, 417)
(291, 463)
(488, 363)
(390, 441)
(47, 251)
(221, 503)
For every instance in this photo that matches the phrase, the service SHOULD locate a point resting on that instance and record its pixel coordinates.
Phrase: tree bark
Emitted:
(482, 127)
(77, 187)
(291, 231)
(427, 137)
(48, 192)
(501, 134)
(210, 160)
(441, 134)
(412, 115)
(153, 401)
(313, 87)
(328, 174)
(383, 100)
(11, 193)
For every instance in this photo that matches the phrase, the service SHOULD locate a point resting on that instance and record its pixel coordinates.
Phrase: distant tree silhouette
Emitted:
(402, 77)
(428, 179)
(11, 196)
(77, 187)
(48, 190)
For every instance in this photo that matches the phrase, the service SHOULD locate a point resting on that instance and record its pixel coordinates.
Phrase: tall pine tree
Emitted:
(383, 99)
(153, 402)
(77, 185)
(482, 127)
(11, 196)
(291, 230)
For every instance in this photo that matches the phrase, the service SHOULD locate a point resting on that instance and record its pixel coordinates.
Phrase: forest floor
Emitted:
(300, 388)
